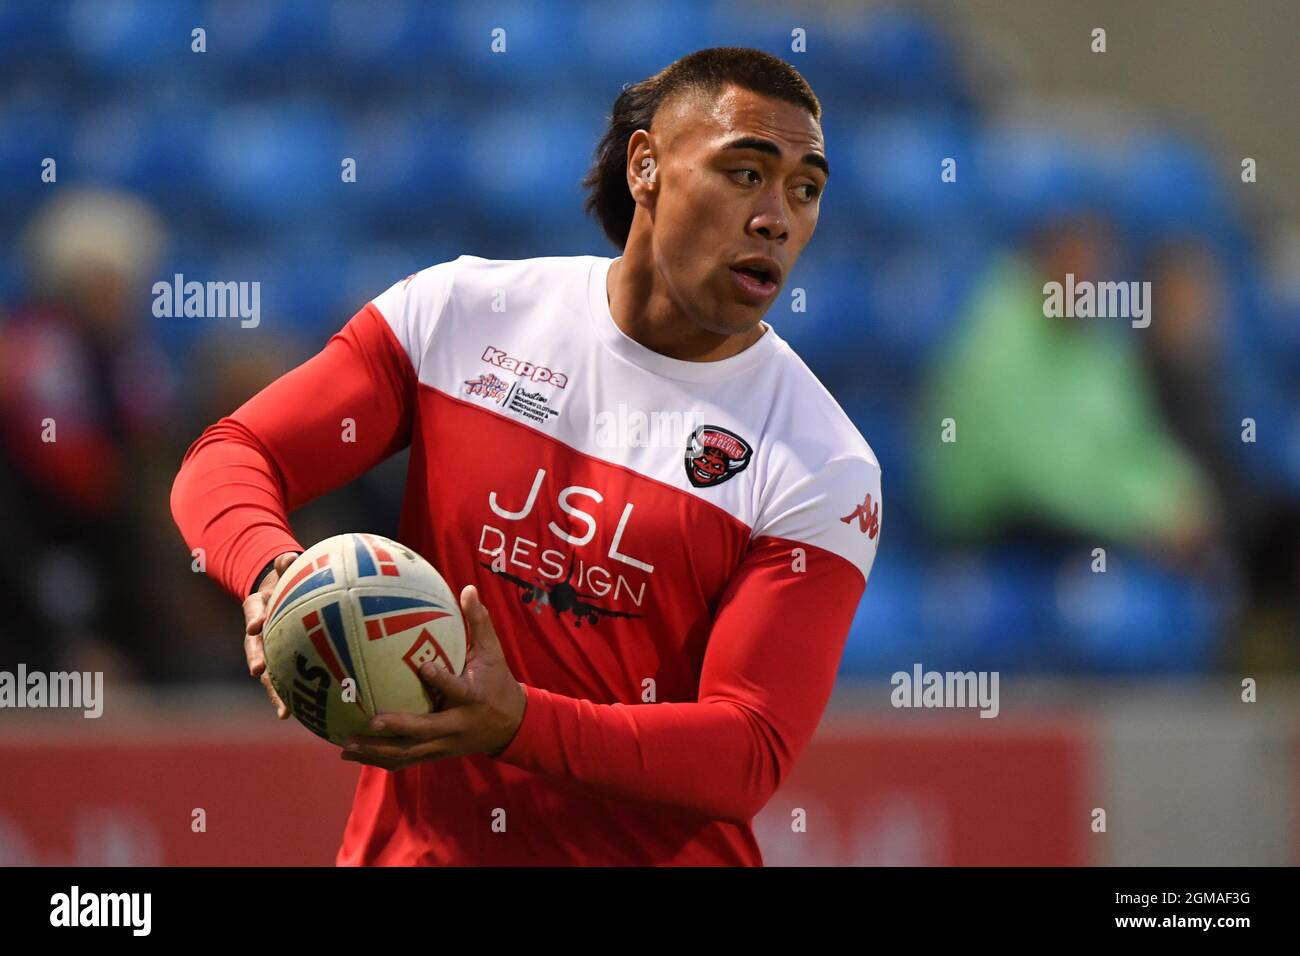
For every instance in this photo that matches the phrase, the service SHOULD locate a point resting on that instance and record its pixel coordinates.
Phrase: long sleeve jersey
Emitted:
(672, 553)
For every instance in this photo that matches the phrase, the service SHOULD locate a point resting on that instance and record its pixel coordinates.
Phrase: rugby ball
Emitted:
(348, 627)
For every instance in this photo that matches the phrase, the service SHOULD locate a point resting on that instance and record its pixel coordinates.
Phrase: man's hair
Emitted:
(707, 71)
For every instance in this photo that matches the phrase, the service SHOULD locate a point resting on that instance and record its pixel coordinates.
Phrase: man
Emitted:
(85, 402)
(1061, 437)
(667, 613)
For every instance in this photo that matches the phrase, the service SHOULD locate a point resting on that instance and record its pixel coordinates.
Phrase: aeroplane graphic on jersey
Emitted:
(560, 597)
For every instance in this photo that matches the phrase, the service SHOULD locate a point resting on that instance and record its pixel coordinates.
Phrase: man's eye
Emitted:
(812, 192)
(737, 175)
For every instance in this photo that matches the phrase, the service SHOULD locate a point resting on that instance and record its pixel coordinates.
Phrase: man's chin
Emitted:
(734, 318)
(743, 320)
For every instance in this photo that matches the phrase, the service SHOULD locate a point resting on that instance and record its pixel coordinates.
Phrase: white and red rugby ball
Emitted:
(349, 625)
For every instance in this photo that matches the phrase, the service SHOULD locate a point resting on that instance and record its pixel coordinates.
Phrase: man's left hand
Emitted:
(481, 708)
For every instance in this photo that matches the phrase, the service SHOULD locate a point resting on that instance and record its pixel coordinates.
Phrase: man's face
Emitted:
(740, 180)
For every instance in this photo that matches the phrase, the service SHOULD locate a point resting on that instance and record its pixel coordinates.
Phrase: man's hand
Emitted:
(254, 619)
(480, 711)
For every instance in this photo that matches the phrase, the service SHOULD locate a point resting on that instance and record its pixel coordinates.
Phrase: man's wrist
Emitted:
(261, 576)
(522, 714)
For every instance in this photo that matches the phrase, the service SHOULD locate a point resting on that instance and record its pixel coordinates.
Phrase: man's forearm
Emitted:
(715, 758)
(226, 501)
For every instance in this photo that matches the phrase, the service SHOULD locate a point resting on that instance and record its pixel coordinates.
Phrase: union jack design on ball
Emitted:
(381, 564)
(389, 614)
(315, 575)
(386, 615)
(324, 629)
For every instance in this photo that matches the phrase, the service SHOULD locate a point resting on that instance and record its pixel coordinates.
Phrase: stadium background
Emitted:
(1119, 690)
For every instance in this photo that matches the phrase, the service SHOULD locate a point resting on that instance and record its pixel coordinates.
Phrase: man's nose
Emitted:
(771, 225)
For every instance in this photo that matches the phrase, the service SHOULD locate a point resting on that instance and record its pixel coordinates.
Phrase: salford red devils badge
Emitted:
(714, 454)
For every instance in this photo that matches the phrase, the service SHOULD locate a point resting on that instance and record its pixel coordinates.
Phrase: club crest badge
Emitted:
(714, 454)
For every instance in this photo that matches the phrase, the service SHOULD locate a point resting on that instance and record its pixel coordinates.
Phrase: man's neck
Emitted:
(648, 317)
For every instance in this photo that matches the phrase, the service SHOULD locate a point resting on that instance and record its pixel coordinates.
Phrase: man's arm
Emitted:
(768, 671)
(767, 675)
(316, 428)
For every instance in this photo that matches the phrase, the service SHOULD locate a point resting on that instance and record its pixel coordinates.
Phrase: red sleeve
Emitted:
(767, 675)
(290, 444)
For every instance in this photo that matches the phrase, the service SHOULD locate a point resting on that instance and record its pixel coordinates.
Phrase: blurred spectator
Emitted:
(1057, 433)
(1184, 355)
(83, 405)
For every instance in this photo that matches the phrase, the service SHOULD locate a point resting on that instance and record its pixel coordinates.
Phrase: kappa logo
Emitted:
(867, 515)
(535, 373)
(714, 454)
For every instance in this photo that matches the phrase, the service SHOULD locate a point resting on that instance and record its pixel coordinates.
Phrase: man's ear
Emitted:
(642, 169)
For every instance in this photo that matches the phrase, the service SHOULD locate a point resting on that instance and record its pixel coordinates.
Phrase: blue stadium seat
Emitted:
(1029, 172)
(633, 41)
(877, 60)
(255, 42)
(131, 38)
(29, 32)
(34, 124)
(909, 59)
(829, 334)
(275, 164)
(390, 38)
(1136, 618)
(885, 636)
(152, 146)
(1163, 183)
(987, 611)
(532, 35)
(895, 164)
(521, 163)
(301, 275)
(411, 166)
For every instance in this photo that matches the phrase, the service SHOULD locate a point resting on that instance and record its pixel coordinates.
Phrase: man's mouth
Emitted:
(754, 282)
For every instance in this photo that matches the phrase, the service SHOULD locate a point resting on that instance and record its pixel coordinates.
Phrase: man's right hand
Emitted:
(254, 618)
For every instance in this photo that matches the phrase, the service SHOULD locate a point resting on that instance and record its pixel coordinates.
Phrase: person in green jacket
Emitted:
(1050, 422)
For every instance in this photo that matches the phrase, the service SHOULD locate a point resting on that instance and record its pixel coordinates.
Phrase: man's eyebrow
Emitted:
(759, 144)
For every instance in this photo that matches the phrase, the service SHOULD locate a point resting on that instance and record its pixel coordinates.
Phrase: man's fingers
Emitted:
(482, 635)
(383, 763)
(255, 654)
(414, 726)
(454, 689)
(281, 711)
(393, 748)
(254, 614)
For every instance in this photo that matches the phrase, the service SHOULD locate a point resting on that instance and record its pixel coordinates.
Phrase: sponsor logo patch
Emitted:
(487, 386)
(534, 404)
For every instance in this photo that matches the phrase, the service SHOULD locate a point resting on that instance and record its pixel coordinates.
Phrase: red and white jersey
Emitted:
(672, 553)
